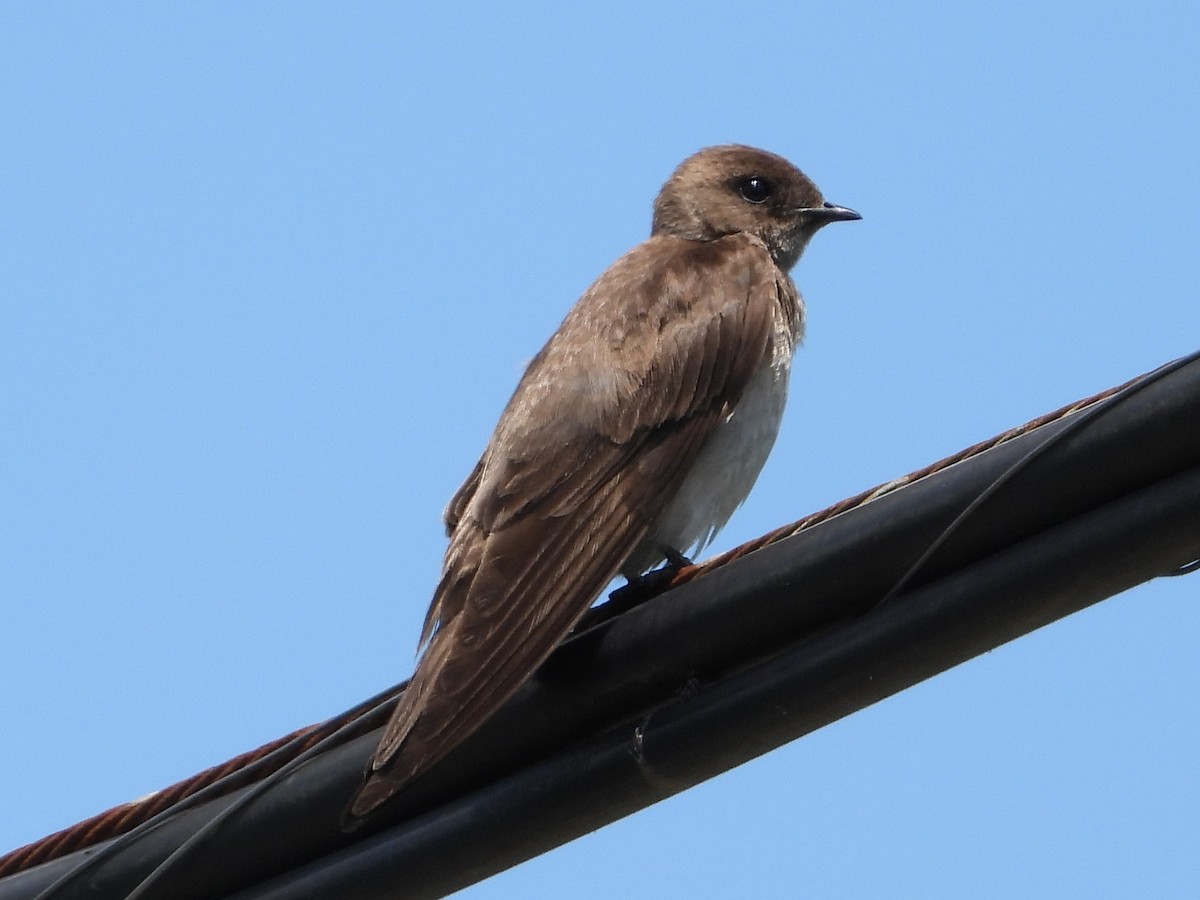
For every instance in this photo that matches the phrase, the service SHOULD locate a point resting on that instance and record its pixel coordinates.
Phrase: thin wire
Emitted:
(1185, 569)
(210, 827)
(1072, 426)
(357, 713)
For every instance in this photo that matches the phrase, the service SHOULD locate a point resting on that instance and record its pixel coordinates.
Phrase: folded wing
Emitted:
(592, 446)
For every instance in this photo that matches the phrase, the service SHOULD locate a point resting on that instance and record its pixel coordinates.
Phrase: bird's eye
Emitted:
(755, 189)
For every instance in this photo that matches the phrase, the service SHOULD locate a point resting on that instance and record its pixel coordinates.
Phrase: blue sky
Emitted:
(270, 271)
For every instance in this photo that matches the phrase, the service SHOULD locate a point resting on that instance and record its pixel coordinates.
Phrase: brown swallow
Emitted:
(632, 436)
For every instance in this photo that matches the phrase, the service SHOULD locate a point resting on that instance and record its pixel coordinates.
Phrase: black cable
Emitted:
(1185, 569)
(1072, 426)
(355, 715)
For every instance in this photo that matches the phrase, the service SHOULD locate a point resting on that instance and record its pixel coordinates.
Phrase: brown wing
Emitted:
(461, 499)
(593, 444)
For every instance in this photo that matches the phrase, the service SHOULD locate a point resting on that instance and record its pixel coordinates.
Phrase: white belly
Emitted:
(724, 472)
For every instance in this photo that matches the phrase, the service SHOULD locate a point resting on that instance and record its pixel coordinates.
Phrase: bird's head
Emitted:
(736, 189)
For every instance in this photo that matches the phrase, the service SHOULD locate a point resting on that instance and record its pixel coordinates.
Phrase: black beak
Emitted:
(829, 213)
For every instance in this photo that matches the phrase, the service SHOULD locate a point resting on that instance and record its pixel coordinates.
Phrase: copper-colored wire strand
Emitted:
(259, 763)
(688, 573)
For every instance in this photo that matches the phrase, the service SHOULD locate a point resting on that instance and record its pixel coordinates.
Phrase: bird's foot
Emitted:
(636, 590)
(640, 588)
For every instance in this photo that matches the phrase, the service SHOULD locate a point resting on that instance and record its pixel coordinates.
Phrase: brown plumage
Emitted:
(619, 444)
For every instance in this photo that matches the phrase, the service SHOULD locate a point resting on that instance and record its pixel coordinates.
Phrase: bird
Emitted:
(631, 437)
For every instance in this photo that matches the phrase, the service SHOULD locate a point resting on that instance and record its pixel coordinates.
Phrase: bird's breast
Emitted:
(724, 471)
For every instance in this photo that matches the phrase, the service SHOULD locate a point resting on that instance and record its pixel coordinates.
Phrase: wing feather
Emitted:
(596, 440)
